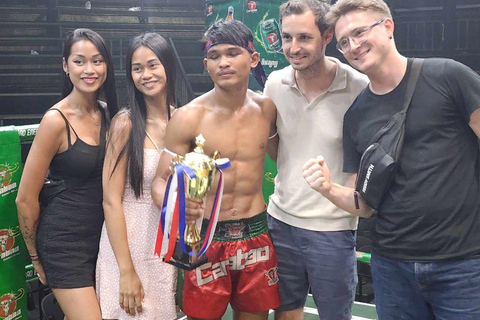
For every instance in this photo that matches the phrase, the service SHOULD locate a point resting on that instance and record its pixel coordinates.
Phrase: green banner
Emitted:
(261, 17)
(270, 172)
(30, 273)
(223, 10)
(13, 298)
(27, 132)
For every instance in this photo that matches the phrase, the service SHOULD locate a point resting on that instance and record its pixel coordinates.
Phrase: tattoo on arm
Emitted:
(29, 233)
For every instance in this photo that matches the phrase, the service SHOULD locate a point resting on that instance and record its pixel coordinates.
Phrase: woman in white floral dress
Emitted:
(132, 283)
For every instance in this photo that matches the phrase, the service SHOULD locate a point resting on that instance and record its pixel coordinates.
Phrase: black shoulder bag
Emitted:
(378, 165)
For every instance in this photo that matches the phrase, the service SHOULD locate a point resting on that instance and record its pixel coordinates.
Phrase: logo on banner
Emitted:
(270, 64)
(8, 305)
(6, 175)
(7, 243)
(272, 276)
(252, 7)
(272, 38)
(209, 10)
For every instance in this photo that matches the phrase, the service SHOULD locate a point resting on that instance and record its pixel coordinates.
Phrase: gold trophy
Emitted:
(195, 189)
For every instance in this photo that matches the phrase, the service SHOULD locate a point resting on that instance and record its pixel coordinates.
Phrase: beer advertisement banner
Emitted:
(223, 10)
(261, 17)
(13, 298)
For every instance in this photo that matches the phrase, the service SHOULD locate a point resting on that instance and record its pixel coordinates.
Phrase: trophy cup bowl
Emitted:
(195, 189)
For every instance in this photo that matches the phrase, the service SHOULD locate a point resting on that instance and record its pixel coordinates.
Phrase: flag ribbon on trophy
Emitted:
(215, 209)
(173, 219)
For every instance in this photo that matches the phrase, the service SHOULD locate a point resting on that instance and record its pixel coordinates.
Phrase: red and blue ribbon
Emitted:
(172, 220)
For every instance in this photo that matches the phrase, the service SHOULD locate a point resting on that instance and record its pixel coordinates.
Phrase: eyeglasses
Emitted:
(358, 37)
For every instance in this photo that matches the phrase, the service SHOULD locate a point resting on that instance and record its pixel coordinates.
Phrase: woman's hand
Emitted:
(131, 292)
(40, 272)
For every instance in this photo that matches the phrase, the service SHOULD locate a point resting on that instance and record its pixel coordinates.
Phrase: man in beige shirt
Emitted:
(314, 240)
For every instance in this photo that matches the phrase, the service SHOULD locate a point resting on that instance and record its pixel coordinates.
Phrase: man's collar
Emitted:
(289, 78)
(339, 82)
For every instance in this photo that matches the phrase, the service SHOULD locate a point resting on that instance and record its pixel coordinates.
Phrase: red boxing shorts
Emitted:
(241, 270)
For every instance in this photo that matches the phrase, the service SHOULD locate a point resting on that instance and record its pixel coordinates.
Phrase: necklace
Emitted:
(162, 124)
(94, 119)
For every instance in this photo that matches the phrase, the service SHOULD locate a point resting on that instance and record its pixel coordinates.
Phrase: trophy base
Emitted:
(183, 260)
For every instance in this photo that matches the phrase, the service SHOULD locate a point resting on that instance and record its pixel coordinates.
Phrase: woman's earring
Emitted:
(68, 74)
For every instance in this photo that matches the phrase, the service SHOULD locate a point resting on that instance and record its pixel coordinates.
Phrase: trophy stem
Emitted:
(192, 235)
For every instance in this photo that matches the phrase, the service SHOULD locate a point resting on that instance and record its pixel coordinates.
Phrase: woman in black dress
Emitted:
(70, 145)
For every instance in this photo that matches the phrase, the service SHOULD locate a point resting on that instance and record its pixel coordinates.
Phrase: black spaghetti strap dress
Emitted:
(70, 225)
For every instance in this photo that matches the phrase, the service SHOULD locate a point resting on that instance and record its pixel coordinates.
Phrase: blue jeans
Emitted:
(322, 261)
(447, 290)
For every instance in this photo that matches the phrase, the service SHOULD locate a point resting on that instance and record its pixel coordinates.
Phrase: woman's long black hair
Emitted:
(137, 107)
(108, 89)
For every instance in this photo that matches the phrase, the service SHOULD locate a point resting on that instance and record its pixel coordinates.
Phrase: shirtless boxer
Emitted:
(242, 267)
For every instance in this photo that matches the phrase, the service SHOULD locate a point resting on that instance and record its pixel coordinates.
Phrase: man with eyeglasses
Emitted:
(358, 37)
(314, 240)
(426, 244)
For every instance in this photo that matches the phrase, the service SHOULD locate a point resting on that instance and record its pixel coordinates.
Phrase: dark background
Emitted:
(32, 33)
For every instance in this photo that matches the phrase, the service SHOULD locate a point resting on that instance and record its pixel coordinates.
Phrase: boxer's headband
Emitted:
(258, 72)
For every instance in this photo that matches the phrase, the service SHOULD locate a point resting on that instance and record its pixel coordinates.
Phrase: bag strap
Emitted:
(411, 85)
(412, 82)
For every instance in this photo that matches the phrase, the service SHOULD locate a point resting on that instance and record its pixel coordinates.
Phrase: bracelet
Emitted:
(33, 255)
(35, 258)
